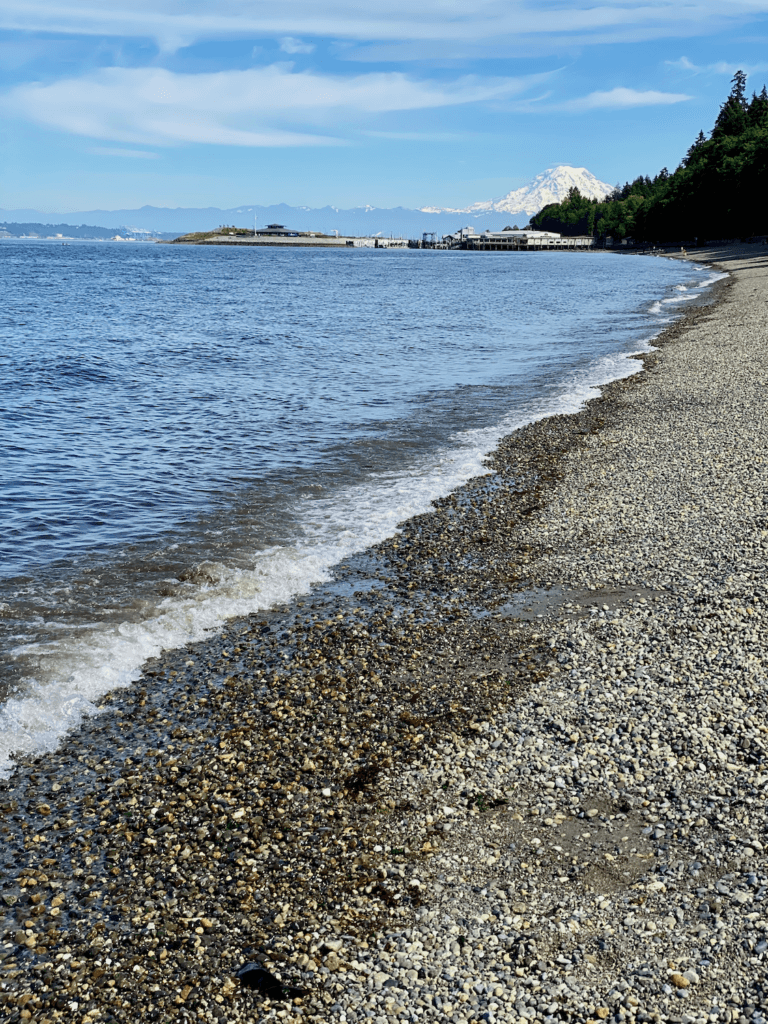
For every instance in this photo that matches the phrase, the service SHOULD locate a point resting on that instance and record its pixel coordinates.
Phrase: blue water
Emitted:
(191, 433)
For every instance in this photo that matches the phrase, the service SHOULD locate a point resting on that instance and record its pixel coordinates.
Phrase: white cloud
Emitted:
(420, 136)
(622, 99)
(267, 106)
(288, 44)
(173, 24)
(132, 154)
(720, 67)
(683, 64)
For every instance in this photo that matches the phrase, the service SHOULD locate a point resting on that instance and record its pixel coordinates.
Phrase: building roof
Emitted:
(276, 229)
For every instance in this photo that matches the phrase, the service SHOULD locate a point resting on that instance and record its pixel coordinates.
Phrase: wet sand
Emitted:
(373, 792)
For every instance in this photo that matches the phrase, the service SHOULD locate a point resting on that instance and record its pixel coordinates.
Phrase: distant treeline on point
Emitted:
(21, 230)
(46, 230)
(716, 192)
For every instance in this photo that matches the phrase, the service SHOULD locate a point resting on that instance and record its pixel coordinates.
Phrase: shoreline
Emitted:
(132, 603)
(219, 875)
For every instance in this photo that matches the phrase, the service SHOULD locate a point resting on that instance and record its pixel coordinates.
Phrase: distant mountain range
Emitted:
(550, 186)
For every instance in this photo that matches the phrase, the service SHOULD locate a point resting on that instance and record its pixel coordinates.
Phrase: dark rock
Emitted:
(258, 978)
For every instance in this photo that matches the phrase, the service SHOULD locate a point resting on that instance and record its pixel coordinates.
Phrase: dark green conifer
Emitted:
(757, 114)
(732, 119)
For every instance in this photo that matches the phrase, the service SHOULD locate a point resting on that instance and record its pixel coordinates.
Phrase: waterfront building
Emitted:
(515, 240)
(276, 230)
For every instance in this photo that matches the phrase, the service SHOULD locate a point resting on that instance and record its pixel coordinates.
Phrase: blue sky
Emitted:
(118, 103)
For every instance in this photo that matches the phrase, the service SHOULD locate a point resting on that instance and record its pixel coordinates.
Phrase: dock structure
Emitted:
(512, 240)
(280, 235)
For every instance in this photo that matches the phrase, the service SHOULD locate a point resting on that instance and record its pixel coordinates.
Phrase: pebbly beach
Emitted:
(512, 765)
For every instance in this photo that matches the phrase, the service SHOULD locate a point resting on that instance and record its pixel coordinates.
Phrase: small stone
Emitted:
(679, 980)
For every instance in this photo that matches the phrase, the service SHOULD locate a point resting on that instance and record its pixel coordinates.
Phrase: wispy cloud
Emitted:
(131, 154)
(419, 136)
(619, 98)
(173, 24)
(288, 44)
(267, 106)
(622, 99)
(720, 67)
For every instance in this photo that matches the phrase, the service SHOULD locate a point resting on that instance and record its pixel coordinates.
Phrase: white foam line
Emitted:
(693, 291)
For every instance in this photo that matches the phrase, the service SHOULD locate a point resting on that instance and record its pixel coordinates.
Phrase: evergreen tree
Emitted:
(732, 119)
(698, 143)
(757, 113)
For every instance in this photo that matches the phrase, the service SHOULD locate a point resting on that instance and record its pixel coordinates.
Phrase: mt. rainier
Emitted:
(551, 186)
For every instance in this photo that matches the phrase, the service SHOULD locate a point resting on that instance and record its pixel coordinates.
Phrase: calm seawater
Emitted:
(190, 434)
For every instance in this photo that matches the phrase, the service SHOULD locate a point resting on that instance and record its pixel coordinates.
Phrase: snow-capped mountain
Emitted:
(551, 186)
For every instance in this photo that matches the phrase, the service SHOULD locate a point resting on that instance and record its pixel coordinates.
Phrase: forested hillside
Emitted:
(718, 191)
(50, 230)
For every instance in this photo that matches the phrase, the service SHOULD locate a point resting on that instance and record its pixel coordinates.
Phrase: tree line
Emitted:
(18, 229)
(716, 192)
